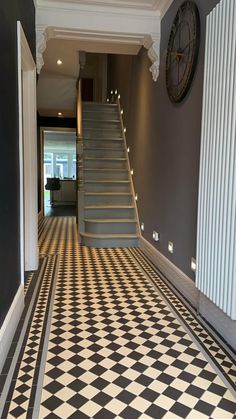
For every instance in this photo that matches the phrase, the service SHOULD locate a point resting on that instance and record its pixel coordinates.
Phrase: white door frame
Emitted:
(27, 155)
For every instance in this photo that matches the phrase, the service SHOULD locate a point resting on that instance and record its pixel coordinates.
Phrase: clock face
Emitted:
(182, 52)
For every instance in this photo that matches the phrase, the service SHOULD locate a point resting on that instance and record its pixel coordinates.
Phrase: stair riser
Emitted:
(109, 243)
(107, 187)
(103, 175)
(119, 144)
(95, 213)
(101, 164)
(101, 134)
(105, 153)
(109, 200)
(100, 108)
(110, 228)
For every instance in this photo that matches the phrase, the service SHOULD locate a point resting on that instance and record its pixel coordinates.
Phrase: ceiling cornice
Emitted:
(99, 23)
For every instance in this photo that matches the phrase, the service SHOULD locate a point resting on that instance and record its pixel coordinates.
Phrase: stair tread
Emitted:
(110, 220)
(108, 193)
(103, 139)
(105, 181)
(110, 236)
(103, 206)
(100, 120)
(103, 148)
(106, 158)
(99, 169)
(91, 104)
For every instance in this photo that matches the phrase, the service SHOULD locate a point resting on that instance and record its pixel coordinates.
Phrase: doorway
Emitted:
(58, 168)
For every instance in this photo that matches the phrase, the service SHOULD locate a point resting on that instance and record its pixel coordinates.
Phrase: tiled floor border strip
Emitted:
(45, 226)
(230, 353)
(30, 287)
(226, 379)
(37, 385)
(12, 372)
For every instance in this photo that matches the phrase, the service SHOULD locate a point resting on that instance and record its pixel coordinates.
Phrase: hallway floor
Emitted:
(103, 336)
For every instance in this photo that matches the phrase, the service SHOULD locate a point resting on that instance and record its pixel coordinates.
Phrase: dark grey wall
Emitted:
(10, 12)
(165, 144)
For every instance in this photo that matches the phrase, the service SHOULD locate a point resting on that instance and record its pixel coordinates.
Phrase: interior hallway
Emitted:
(100, 337)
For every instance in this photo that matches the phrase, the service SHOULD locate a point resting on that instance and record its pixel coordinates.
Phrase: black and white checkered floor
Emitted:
(103, 336)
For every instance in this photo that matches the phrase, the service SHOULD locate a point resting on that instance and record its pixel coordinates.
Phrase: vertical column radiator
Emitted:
(216, 236)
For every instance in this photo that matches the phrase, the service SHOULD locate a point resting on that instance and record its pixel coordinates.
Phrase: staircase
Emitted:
(109, 210)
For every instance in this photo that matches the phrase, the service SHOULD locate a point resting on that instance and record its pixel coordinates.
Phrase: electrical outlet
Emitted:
(156, 236)
(142, 226)
(171, 247)
(193, 264)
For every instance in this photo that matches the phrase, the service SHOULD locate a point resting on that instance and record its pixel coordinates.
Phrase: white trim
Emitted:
(178, 278)
(102, 25)
(9, 326)
(27, 155)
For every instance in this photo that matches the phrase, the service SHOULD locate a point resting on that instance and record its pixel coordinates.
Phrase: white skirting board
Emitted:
(181, 281)
(10, 324)
(209, 311)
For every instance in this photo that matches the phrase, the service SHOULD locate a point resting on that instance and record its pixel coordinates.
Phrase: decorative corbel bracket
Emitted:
(42, 36)
(153, 52)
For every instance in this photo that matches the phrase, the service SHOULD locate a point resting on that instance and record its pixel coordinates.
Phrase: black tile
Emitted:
(228, 406)
(155, 412)
(172, 393)
(126, 397)
(130, 413)
(102, 398)
(204, 407)
(180, 409)
(52, 403)
(149, 395)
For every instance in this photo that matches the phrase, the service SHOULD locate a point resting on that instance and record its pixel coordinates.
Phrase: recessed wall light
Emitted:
(125, 130)
(118, 96)
(121, 111)
(132, 172)
(59, 113)
(59, 62)
(116, 92)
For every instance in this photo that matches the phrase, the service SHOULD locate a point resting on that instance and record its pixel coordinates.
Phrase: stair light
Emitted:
(193, 265)
(128, 150)
(59, 62)
(107, 100)
(124, 130)
(121, 111)
(111, 92)
(116, 92)
(132, 172)
(118, 96)
(59, 113)
(136, 197)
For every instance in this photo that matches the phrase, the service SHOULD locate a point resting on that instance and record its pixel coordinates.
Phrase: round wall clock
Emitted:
(182, 52)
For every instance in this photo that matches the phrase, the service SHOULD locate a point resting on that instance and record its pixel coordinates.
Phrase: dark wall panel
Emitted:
(10, 12)
(165, 144)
